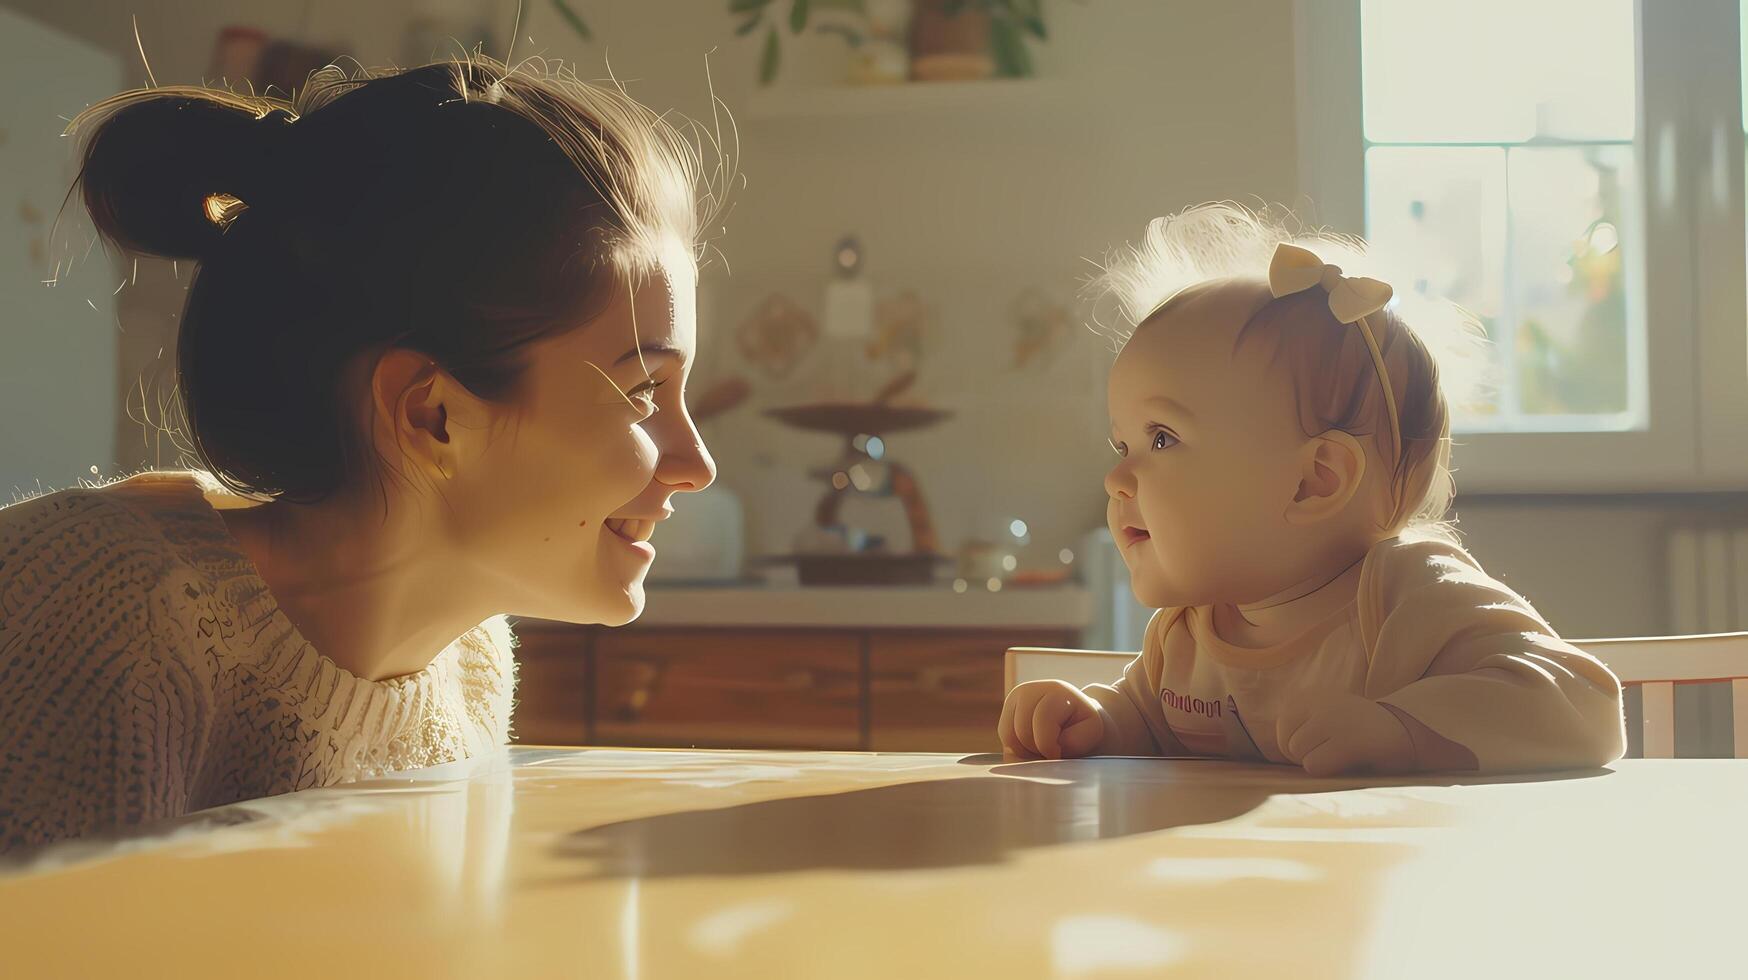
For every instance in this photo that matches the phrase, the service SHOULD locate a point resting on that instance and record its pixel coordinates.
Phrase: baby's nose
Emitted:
(1119, 483)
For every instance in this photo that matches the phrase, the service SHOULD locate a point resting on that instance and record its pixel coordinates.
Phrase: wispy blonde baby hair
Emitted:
(1432, 349)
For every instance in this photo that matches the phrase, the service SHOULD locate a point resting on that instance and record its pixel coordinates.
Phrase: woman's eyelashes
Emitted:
(644, 395)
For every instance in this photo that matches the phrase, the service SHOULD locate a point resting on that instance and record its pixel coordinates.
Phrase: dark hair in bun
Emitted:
(461, 210)
(152, 163)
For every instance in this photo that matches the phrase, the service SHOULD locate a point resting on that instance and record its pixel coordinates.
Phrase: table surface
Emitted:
(638, 863)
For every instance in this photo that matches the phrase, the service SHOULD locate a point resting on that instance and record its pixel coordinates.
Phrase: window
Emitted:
(1572, 172)
(1500, 173)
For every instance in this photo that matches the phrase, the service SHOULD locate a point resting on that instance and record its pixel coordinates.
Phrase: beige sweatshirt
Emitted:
(1429, 634)
(145, 671)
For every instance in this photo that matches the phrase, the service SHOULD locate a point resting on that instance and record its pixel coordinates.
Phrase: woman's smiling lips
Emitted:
(1133, 534)
(635, 532)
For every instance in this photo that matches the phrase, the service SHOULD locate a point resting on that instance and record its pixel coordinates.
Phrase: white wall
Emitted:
(57, 343)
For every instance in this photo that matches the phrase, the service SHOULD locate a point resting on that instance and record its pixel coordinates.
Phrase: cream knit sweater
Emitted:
(146, 671)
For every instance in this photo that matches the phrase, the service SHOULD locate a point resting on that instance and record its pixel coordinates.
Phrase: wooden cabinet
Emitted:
(554, 685)
(702, 688)
(940, 691)
(895, 690)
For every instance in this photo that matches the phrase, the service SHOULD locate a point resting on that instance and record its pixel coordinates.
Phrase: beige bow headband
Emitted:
(1351, 299)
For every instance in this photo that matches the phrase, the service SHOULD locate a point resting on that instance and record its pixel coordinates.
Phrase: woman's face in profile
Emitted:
(557, 510)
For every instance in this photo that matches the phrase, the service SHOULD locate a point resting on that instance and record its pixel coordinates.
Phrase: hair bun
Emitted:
(157, 161)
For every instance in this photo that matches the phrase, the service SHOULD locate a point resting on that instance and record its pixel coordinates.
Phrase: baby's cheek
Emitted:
(1150, 587)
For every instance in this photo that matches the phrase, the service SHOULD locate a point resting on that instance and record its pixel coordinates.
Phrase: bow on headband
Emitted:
(1351, 299)
(1296, 269)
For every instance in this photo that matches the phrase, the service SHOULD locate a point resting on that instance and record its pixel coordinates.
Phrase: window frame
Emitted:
(1689, 155)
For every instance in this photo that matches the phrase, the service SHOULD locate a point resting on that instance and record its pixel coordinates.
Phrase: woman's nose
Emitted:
(686, 465)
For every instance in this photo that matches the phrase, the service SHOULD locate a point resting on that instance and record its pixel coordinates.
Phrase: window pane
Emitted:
(1742, 27)
(1537, 243)
(1571, 212)
(1436, 217)
(1501, 71)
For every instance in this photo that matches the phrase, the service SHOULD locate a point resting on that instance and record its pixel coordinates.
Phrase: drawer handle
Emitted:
(646, 685)
(646, 678)
(940, 681)
(801, 679)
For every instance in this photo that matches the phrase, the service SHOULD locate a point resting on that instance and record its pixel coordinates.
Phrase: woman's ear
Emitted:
(1331, 468)
(430, 418)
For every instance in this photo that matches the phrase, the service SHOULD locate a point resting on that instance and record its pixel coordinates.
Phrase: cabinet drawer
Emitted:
(939, 691)
(728, 688)
(552, 684)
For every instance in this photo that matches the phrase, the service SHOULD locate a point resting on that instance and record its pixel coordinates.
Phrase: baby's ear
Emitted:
(1332, 467)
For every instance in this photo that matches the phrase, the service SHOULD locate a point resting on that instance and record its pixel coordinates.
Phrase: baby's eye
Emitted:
(1120, 448)
(1163, 439)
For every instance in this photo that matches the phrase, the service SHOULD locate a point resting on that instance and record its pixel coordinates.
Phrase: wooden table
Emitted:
(637, 863)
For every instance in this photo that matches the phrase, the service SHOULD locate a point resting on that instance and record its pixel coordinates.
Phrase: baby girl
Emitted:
(1279, 495)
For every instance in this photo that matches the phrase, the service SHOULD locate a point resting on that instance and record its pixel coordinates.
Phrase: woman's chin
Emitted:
(625, 607)
(598, 604)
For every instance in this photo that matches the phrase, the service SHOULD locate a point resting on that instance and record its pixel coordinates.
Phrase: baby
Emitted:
(1282, 475)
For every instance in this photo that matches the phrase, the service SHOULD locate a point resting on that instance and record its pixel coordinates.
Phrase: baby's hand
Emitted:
(1049, 720)
(1345, 734)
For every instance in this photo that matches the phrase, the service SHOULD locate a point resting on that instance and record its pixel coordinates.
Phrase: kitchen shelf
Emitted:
(1007, 96)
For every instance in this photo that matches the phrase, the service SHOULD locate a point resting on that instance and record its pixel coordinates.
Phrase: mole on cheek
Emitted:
(582, 524)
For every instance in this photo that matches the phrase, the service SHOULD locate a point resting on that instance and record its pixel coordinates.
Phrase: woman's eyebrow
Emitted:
(648, 350)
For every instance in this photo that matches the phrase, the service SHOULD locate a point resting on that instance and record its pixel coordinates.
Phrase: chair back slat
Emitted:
(1657, 664)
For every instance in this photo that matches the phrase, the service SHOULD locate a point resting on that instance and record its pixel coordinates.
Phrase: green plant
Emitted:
(1010, 21)
(572, 18)
(768, 15)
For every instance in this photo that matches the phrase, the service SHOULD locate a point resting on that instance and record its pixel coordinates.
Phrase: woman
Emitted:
(439, 338)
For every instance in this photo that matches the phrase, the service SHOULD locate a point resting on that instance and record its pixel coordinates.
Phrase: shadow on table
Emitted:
(956, 821)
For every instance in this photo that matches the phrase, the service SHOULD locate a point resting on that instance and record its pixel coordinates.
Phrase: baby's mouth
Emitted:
(1132, 535)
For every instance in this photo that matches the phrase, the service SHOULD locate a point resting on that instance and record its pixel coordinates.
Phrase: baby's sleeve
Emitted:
(1470, 661)
(1134, 721)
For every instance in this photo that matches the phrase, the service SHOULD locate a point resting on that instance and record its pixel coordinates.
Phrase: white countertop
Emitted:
(931, 606)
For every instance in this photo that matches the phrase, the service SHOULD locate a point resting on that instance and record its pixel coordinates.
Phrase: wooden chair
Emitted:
(1654, 664)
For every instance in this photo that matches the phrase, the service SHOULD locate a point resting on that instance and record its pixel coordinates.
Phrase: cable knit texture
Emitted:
(146, 671)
